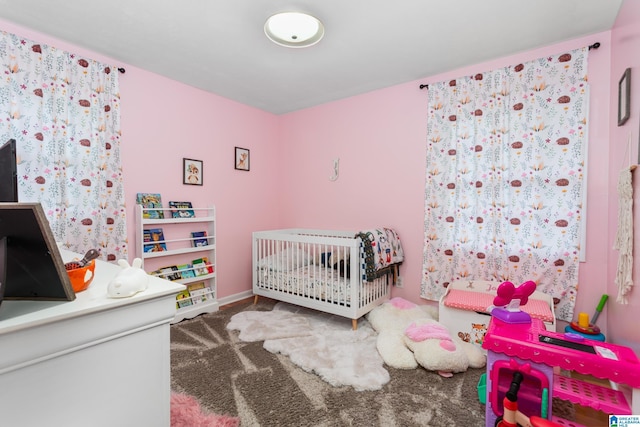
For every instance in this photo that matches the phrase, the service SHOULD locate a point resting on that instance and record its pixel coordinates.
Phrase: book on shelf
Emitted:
(201, 295)
(198, 291)
(209, 265)
(199, 238)
(183, 299)
(186, 271)
(181, 210)
(150, 201)
(153, 240)
(202, 266)
(169, 273)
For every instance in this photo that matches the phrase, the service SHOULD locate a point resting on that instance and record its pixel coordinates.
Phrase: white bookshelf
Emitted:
(180, 250)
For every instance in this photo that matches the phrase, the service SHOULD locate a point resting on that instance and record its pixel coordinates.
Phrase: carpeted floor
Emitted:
(243, 380)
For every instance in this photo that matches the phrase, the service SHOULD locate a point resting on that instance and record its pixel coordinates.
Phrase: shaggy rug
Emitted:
(231, 376)
(317, 342)
(186, 412)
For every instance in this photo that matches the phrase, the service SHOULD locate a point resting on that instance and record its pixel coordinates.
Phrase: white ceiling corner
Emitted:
(220, 46)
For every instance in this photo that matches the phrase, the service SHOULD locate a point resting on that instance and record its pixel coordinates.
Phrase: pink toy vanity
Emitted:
(515, 342)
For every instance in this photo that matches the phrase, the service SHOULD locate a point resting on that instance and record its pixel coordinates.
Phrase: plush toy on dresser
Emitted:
(409, 335)
(128, 282)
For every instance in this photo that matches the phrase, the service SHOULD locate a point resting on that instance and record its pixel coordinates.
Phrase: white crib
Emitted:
(318, 269)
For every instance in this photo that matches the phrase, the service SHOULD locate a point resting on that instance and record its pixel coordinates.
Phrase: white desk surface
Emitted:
(18, 315)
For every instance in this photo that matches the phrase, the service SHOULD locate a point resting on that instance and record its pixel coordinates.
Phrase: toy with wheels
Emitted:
(512, 417)
(521, 361)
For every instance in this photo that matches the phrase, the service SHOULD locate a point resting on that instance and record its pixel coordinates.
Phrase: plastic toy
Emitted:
(512, 416)
(128, 282)
(509, 299)
(603, 301)
(584, 327)
(409, 336)
(528, 348)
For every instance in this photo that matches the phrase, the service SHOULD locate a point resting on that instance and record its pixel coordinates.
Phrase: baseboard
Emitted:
(235, 298)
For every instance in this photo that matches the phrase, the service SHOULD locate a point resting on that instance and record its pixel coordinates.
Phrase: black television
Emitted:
(8, 172)
(30, 261)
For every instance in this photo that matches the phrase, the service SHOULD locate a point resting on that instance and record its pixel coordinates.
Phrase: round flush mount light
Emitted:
(294, 29)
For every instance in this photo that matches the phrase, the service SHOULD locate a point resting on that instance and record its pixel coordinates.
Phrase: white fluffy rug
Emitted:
(318, 342)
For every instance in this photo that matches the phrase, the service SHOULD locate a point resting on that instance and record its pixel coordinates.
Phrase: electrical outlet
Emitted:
(399, 282)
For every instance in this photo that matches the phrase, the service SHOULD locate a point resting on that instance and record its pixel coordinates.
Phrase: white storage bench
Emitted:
(463, 308)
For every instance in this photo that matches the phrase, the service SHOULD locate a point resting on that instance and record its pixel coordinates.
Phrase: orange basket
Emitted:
(81, 277)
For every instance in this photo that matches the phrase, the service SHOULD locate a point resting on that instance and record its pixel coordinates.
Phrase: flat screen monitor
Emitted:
(8, 172)
(33, 267)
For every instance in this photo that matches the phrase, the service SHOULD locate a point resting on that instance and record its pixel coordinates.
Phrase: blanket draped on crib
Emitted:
(382, 248)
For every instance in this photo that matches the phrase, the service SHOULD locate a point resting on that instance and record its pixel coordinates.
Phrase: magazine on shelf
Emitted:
(209, 265)
(150, 201)
(181, 210)
(198, 291)
(153, 240)
(199, 238)
(186, 271)
(183, 299)
(202, 294)
(198, 288)
(200, 266)
(168, 273)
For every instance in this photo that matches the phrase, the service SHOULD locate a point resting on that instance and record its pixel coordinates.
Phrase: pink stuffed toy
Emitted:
(409, 335)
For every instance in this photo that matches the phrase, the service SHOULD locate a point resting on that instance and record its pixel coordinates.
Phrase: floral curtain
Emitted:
(504, 181)
(64, 112)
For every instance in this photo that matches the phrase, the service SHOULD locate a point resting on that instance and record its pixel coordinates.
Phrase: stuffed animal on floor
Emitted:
(409, 335)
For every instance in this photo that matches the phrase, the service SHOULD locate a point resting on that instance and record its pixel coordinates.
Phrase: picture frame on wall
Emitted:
(192, 171)
(241, 159)
(624, 97)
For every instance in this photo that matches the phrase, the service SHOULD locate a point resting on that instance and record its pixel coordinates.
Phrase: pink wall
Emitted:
(164, 121)
(380, 139)
(625, 38)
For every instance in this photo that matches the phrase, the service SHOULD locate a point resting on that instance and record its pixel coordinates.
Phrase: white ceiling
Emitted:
(219, 45)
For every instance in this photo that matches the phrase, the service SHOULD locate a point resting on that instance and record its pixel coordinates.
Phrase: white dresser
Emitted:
(93, 361)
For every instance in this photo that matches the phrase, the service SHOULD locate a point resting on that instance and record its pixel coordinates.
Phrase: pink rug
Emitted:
(186, 412)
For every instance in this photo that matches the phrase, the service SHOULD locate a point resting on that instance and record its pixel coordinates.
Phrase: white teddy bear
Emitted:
(409, 335)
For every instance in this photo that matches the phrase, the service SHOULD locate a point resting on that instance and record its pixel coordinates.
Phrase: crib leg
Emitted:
(255, 299)
(354, 324)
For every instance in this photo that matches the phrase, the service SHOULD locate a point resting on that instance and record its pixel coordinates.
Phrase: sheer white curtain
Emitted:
(64, 112)
(504, 180)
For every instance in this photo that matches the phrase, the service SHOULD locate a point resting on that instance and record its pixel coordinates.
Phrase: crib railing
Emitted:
(297, 266)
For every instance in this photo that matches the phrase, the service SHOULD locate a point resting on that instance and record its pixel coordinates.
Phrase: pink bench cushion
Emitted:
(479, 301)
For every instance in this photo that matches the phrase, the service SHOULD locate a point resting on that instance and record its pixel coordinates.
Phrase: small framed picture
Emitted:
(242, 159)
(192, 171)
(624, 97)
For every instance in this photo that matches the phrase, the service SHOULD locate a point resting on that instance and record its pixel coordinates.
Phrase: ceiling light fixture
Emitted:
(293, 29)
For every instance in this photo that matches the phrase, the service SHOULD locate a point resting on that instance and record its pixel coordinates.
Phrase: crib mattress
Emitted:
(311, 281)
(314, 282)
